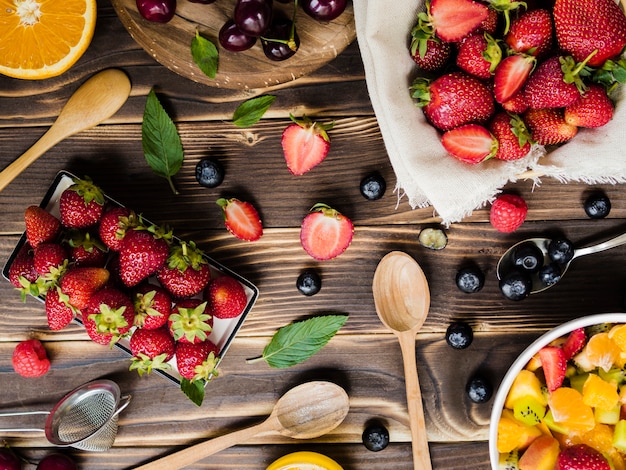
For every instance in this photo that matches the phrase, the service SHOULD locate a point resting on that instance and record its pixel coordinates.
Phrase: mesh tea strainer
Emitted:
(86, 418)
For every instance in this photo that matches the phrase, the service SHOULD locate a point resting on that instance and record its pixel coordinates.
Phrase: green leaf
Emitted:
(160, 140)
(250, 111)
(194, 389)
(205, 55)
(294, 343)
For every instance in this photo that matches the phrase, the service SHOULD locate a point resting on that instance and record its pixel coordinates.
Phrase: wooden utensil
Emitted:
(304, 412)
(93, 102)
(402, 300)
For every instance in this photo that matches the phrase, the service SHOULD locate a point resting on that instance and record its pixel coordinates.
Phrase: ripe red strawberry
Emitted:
(153, 305)
(455, 19)
(575, 341)
(81, 204)
(554, 365)
(511, 75)
(490, 24)
(305, 144)
(453, 99)
(584, 26)
(555, 83)
(548, 126)
(508, 212)
(143, 253)
(241, 219)
(516, 104)
(478, 55)
(581, 457)
(113, 226)
(226, 297)
(190, 321)
(58, 310)
(470, 143)
(30, 359)
(86, 250)
(325, 233)
(186, 271)
(593, 108)
(151, 349)
(79, 284)
(48, 255)
(531, 33)
(430, 54)
(514, 140)
(197, 361)
(22, 270)
(41, 225)
(109, 315)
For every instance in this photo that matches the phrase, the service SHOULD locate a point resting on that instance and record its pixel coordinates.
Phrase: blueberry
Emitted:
(550, 274)
(597, 205)
(309, 282)
(459, 335)
(516, 285)
(560, 250)
(375, 437)
(373, 186)
(209, 173)
(528, 257)
(478, 389)
(470, 279)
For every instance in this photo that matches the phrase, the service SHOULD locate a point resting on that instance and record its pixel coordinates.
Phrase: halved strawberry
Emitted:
(455, 19)
(305, 144)
(471, 143)
(554, 365)
(325, 233)
(574, 343)
(241, 219)
(510, 76)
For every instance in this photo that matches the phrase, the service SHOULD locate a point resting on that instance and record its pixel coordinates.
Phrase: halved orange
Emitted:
(43, 38)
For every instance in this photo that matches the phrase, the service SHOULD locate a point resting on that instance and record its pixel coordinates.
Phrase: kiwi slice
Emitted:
(509, 461)
(433, 238)
(619, 436)
(528, 410)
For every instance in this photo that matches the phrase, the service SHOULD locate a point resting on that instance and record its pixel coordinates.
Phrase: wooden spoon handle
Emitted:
(419, 438)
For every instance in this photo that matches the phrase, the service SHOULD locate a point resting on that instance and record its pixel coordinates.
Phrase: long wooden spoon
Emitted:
(402, 300)
(307, 411)
(93, 102)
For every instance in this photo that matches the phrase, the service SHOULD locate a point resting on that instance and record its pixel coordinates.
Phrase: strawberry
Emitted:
(58, 310)
(186, 271)
(79, 284)
(581, 457)
(585, 26)
(226, 297)
(511, 75)
(575, 341)
(452, 20)
(478, 55)
(305, 144)
(197, 361)
(453, 99)
(556, 83)
(505, 7)
(153, 305)
(241, 219)
(508, 213)
(48, 255)
(81, 205)
(41, 226)
(554, 366)
(113, 226)
(86, 250)
(22, 270)
(516, 104)
(190, 321)
(30, 359)
(490, 24)
(151, 349)
(514, 140)
(109, 315)
(531, 33)
(427, 51)
(548, 126)
(470, 143)
(593, 108)
(325, 233)
(143, 252)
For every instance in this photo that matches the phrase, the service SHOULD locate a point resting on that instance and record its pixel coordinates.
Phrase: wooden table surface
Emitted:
(363, 358)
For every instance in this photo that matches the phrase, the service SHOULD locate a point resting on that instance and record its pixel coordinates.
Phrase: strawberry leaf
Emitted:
(294, 343)
(205, 55)
(160, 140)
(250, 111)
(194, 389)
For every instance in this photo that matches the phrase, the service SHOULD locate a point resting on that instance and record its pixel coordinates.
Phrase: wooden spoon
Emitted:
(93, 102)
(304, 412)
(402, 300)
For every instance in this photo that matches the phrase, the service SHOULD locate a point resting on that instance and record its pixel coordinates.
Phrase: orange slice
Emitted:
(602, 351)
(43, 38)
(570, 411)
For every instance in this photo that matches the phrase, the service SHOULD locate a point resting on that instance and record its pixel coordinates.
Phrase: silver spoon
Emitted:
(506, 264)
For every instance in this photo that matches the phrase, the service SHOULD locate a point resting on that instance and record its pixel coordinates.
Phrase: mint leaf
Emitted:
(205, 55)
(294, 343)
(250, 111)
(194, 389)
(160, 140)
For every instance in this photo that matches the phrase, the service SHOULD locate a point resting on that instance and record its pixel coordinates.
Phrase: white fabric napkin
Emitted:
(426, 175)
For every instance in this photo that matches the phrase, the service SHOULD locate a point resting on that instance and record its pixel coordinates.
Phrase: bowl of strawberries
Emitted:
(562, 403)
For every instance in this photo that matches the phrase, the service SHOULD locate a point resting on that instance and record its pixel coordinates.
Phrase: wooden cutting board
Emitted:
(170, 43)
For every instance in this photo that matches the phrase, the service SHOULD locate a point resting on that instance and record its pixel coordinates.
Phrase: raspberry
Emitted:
(30, 359)
(508, 213)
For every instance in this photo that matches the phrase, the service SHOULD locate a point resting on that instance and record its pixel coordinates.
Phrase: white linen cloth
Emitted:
(425, 173)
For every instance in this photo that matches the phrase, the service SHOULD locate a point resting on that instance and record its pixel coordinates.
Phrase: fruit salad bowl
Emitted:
(549, 399)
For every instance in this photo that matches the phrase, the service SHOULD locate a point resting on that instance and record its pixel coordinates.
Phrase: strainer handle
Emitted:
(123, 403)
(22, 413)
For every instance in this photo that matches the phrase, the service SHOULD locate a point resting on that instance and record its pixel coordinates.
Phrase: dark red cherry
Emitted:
(159, 11)
(232, 39)
(275, 43)
(253, 17)
(324, 10)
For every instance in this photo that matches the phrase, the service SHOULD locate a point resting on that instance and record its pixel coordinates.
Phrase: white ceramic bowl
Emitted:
(523, 359)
